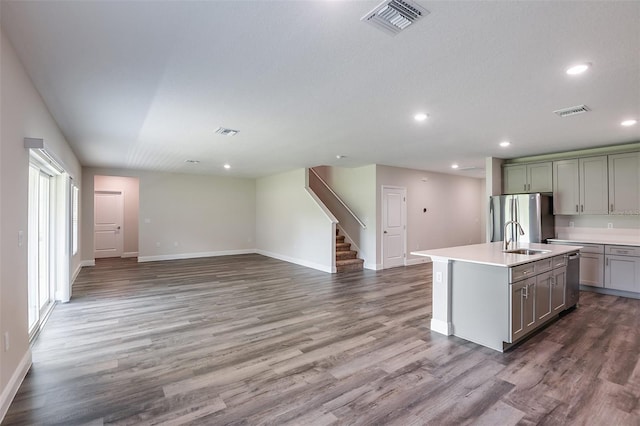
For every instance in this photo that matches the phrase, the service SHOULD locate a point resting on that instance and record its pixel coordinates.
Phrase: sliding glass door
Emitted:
(40, 243)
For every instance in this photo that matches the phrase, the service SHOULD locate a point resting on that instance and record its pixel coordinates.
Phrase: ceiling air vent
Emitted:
(393, 16)
(226, 132)
(565, 112)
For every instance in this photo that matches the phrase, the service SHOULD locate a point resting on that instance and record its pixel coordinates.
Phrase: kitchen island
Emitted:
(494, 298)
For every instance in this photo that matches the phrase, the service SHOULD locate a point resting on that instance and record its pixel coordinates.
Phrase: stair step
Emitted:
(343, 246)
(346, 254)
(340, 239)
(349, 265)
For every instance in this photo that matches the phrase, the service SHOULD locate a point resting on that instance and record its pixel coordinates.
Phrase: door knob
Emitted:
(385, 232)
(118, 227)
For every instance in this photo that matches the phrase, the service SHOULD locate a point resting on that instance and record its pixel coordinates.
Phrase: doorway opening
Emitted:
(115, 226)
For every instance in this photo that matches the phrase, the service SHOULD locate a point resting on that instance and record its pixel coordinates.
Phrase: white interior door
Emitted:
(108, 224)
(393, 226)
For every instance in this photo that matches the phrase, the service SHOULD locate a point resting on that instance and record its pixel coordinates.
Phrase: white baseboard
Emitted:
(301, 262)
(410, 262)
(176, 256)
(441, 327)
(84, 263)
(373, 266)
(130, 254)
(9, 392)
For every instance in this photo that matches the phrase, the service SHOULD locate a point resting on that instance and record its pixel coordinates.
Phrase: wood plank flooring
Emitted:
(246, 340)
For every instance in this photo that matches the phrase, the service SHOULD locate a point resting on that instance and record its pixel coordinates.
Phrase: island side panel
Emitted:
(441, 297)
(480, 298)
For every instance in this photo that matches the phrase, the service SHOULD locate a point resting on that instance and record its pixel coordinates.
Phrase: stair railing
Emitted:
(339, 199)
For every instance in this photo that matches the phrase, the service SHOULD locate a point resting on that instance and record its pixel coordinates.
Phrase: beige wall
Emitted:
(22, 114)
(453, 204)
(290, 224)
(182, 215)
(130, 189)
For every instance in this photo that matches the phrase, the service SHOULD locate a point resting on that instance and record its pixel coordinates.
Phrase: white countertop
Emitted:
(596, 240)
(492, 254)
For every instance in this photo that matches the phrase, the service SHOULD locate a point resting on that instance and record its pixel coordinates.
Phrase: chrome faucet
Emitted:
(520, 230)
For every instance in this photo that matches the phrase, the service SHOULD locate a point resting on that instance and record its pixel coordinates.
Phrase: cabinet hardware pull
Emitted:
(611, 207)
(582, 208)
(576, 208)
(607, 263)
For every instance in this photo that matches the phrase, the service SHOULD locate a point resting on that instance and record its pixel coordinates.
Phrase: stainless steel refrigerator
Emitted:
(534, 212)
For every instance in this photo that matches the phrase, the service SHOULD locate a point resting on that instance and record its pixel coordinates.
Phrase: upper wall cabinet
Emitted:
(532, 177)
(624, 183)
(580, 186)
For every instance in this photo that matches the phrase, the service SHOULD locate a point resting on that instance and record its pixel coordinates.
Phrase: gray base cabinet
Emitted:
(622, 268)
(609, 267)
(592, 269)
(558, 290)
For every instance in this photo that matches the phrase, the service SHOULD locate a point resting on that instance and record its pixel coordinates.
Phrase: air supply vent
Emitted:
(565, 112)
(393, 16)
(226, 132)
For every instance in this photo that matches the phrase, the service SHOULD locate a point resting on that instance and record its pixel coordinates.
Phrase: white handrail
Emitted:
(339, 199)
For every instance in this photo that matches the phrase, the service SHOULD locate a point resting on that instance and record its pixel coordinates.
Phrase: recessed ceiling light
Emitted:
(578, 69)
(628, 123)
(340, 157)
(227, 166)
(420, 116)
(454, 166)
(505, 144)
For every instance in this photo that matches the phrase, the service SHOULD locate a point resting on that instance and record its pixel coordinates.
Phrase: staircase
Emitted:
(346, 259)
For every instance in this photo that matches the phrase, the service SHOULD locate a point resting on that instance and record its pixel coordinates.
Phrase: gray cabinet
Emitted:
(592, 269)
(594, 190)
(580, 186)
(622, 268)
(532, 177)
(558, 290)
(543, 296)
(535, 298)
(566, 187)
(523, 313)
(624, 183)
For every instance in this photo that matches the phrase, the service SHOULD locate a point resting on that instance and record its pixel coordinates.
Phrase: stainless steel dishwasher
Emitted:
(572, 294)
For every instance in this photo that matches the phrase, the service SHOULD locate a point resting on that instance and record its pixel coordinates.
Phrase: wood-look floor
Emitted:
(252, 340)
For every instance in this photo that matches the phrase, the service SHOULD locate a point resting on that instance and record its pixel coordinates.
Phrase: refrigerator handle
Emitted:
(516, 235)
(491, 218)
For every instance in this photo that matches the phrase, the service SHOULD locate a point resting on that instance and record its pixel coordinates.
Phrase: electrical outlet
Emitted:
(571, 224)
(20, 238)
(158, 244)
(438, 277)
(6, 341)
(609, 225)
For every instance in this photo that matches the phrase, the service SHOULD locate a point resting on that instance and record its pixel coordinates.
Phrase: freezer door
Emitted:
(527, 213)
(500, 211)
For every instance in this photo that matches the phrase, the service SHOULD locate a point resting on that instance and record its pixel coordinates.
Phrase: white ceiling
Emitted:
(144, 85)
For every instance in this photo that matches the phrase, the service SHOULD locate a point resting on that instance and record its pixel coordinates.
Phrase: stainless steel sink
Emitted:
(527, 251)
